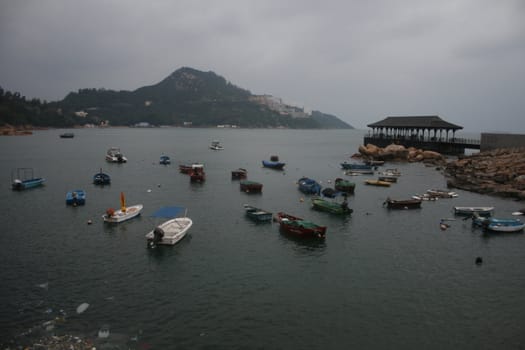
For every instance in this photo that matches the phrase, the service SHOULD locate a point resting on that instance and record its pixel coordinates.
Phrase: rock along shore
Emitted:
(498, 172)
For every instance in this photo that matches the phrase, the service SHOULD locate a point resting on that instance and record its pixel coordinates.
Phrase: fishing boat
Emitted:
(468, 211)
(124, 213)
(250, 186)
(113, 155)
(299, 227)
(373, 162)
(498, 225)
(332, 207)
(165, 160)
(356, 166)
(76, 197)
(403, 203)
(425, 197)
(257, 215)
(442, 193)
(197, 173)
(172, 231)
(216, 145)
(330, 192)
(377, 183)
(239, 173)
(273, 163)
(309, 186)
(67, 135)
(345, 186)
(101, 178)
(24, 179)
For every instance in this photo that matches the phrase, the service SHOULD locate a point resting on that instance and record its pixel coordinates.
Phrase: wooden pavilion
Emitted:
(428, 132)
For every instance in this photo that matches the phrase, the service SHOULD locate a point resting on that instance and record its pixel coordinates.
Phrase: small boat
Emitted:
(76, 197)
(330, 192)
(250, 186)
(377, 183)
(425, 197)
(101, 178)
(391, 172)
(519, 212)
(165, 160)
(345, 186)
(67, 135)
(467, 211)
(172, 231)
(24, 179)
(113, 155)
(186, 169)
(273, 163)
(257, 215)
(332, 206)
(216, 146)
(356, 166)
(386, 178)
(299, 227)
(197, 173)
(124, 213)
(240, 173)
(309, 186)
(355, 172)
(498, 225)
(402, 204)
(442, 193)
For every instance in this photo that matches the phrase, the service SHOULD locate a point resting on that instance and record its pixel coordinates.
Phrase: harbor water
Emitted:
(382, 279)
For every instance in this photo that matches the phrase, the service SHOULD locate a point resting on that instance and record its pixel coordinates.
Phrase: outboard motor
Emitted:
(158, 233)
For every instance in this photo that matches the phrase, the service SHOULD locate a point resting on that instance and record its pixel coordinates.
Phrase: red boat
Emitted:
(239, 174)
(299, 227)
(197, 173)
(186, 169)
(251, 186)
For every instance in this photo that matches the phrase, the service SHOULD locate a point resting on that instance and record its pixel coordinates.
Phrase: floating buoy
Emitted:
(479, 260)
(158, 185)
(82, 307)
(149, 191)
(301, 199)
(89, 222)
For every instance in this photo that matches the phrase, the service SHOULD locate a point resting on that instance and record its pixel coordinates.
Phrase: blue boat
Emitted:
(498, 225)
(165, 160)
(76, 197)
(24, 179)
(309, 186)
(355, 166)
(101, 178)
(258, 215)
(273, 163)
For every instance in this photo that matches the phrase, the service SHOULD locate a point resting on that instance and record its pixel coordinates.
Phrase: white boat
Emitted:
(114, 155)
(442, 193)
(124, 213)
(169, 232)
(216, 145)
(482, 211)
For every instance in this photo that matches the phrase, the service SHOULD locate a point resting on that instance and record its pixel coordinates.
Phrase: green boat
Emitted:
(345, 186)
(331, 206)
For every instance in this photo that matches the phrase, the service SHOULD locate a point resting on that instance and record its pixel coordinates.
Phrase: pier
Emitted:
(425, 132)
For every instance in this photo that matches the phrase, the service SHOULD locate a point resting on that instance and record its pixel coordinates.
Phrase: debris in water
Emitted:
(82, 307)
(89, 222)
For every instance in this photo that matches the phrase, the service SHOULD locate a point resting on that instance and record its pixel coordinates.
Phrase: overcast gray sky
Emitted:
(361, 60)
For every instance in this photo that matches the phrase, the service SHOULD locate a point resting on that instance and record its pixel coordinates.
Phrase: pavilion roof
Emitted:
(416, 122)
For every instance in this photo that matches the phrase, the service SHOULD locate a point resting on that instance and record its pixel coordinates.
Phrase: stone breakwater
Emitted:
(400, 153)
(499, 172)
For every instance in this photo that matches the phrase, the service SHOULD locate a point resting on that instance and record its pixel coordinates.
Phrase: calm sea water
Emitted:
(381, 279)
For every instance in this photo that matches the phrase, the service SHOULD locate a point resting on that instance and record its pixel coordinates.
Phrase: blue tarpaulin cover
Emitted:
(168, 212)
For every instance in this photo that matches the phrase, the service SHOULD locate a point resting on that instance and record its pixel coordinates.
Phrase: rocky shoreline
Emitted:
(499, 172)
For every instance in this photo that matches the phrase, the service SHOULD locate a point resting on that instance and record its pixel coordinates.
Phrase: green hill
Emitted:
(186, 97)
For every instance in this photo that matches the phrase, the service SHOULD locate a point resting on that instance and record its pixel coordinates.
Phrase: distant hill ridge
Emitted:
(186, 97)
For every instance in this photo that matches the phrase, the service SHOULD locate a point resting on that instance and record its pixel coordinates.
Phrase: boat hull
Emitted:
(331, 207)
(403, 204)
(173, 231)
(298, 227)
(250, 187)
(76, 197)
(467, 211)
(258, 215)
(309, 186)
(273, 165)
(120, 216)
(19, 185)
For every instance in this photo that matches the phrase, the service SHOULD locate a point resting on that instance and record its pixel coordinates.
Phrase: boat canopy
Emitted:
(168, 212)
